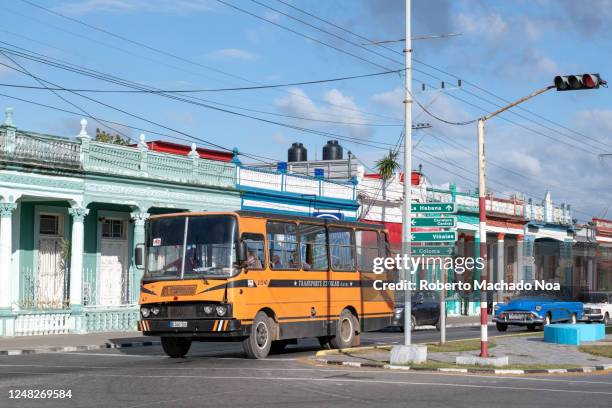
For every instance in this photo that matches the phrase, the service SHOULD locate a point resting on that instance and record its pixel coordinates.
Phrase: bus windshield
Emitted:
(191, 247)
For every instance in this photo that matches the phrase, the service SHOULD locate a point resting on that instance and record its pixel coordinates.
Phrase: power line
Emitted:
(452, 75)
(175, 56)
(306, 130)
(243, 88)
(155, 91)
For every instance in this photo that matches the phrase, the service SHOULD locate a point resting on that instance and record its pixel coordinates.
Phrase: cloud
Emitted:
(82, 7)
(232, 53)
(390, 100)
(336, 107)
(589, 19)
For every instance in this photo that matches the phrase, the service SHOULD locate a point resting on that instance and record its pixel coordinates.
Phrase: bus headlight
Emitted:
(497, 307)
(155, 310)
(221, 310)
(208, 309)
(145, 312)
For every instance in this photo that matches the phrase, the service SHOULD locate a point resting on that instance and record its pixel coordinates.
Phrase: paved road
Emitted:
(218, 375)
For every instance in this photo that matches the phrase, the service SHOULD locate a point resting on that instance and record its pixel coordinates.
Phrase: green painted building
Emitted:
(71, 212)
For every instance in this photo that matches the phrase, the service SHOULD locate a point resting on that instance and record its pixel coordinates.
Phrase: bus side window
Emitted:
(256, 257)
(283, 245)
(313, 247)
(341, 249)
(366, 244)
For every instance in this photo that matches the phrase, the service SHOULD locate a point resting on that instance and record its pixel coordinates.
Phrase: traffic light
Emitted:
(576, 82)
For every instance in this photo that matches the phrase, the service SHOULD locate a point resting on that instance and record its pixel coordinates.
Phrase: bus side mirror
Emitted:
(139, 256)
(241, 252)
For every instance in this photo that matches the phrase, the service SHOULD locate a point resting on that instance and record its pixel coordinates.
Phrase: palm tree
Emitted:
(388, 165)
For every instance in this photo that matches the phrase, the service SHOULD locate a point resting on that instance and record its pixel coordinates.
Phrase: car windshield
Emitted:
(191, 247)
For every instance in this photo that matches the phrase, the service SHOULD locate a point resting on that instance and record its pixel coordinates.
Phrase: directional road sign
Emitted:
(442, 222)
(432, 250)
(441, 208)
(445, 236)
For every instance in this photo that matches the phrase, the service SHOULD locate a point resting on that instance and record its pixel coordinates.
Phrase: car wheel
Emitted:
(501, 327)
(438, 325)
(606, 319)
(259, 342)
(573, 319)
(401, 329)
(346, 330)
(531, 327)
(413, 322)
(176, 347)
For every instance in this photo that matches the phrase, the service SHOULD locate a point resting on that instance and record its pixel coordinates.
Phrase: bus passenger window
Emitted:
(366, 243)
(341, 249)
(283, 245)
(256, 257)
(313, 248)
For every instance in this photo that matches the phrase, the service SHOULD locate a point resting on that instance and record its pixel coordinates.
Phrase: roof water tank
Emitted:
(297, 152)
(332, 150)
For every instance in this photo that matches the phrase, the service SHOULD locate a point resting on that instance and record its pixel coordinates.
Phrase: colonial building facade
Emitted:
(73, 209)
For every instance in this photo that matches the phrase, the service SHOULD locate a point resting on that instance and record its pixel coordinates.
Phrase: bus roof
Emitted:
(276, 216)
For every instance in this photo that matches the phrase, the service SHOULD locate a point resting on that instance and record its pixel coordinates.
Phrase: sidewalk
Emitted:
(528, 354)
(73, 342)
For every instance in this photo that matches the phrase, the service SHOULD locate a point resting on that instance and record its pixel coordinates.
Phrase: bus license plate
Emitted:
(178, 324)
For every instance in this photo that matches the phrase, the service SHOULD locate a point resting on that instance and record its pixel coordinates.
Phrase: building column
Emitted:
(6, 253)
(519, 272)
(76, 260)
(500, 264)
(139, 219)
(529, 258)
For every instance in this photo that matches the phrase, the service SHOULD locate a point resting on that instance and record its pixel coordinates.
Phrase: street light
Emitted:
(561, 83)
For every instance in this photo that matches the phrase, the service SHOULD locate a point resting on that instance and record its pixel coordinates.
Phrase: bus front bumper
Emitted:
(204, 328)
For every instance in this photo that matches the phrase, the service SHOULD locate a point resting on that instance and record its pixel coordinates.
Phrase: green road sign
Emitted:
(446, 236)
(442, 222)
(432, 250)
(441, 208)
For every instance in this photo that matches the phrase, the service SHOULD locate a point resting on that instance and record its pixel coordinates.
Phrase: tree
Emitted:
(388, 165)
(105, 137)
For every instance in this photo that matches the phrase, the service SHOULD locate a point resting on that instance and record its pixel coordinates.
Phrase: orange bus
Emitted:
(260, 278)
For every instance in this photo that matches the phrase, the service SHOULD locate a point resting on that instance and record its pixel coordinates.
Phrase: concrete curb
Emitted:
(496, 371)
(67, 349)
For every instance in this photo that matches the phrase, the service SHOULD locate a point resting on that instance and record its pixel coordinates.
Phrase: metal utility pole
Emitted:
(482, 210)
(406, 228)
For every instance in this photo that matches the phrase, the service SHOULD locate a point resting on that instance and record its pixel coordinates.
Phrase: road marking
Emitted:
(322, 369)
(331, 380)
(74, 353)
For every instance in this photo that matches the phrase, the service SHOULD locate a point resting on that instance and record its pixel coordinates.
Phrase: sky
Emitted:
(504, 50)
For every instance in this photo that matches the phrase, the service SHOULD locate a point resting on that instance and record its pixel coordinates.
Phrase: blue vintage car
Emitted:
(535, 311)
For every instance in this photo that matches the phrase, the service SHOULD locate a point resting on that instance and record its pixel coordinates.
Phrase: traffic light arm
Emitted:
(513, 104)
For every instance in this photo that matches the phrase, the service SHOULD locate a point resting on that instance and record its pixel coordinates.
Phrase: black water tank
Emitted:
(332, 150)
(297, 152)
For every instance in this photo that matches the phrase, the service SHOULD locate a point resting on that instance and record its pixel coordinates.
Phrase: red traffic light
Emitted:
(590, 81)
(576, 82)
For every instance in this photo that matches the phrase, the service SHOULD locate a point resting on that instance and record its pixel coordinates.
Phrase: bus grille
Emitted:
(181, 311)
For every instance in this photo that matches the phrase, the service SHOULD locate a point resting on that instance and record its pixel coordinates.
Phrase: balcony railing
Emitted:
(266, 179)
(91, 156)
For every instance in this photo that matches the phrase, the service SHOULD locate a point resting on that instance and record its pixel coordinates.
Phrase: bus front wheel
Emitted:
(346, 331)
(259, 342)
(176, 347)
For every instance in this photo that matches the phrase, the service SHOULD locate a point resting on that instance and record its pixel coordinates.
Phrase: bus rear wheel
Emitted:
(346, 331)
(176, 347)
(259, 342)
